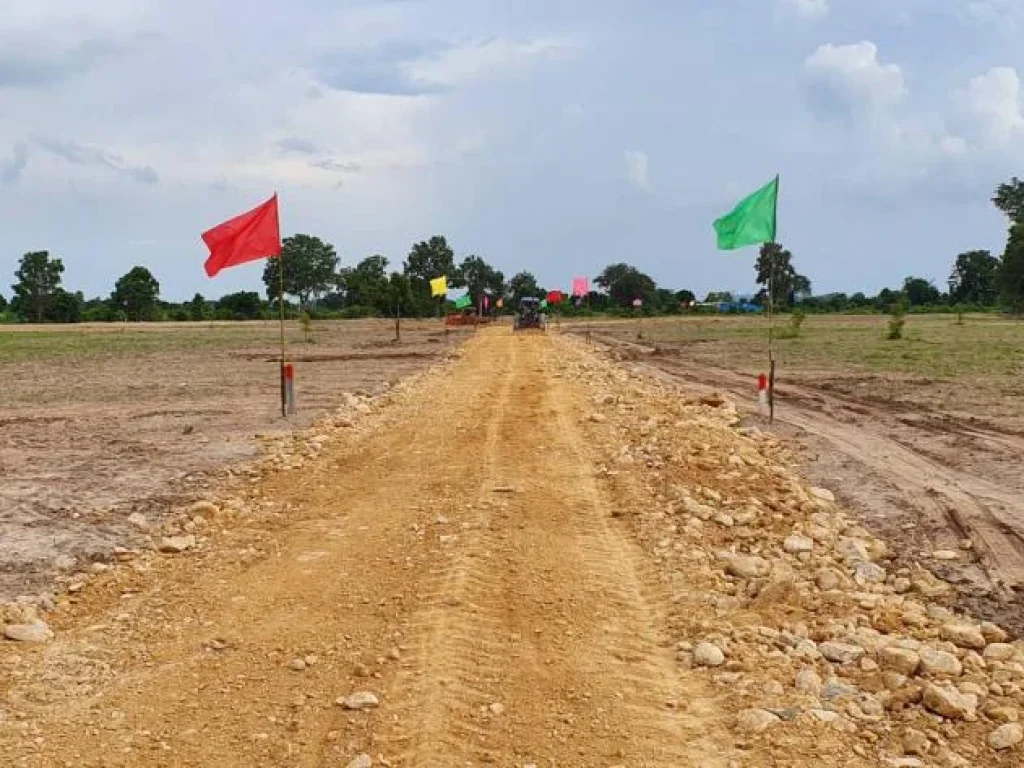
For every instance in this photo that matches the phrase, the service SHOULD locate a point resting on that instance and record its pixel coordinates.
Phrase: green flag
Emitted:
(544, 304)
(463, 301)
(752, 221)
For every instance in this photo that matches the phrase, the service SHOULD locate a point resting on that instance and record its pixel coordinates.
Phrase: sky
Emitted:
(555, 136)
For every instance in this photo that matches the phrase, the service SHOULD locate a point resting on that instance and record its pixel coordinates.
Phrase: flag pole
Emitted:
(280, 304)
(771, 302)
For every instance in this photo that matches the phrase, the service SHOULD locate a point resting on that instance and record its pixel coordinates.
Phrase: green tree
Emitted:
(975, 278)
(65, 307)
(920, 292)
(523, 284)
(199, 308)
(398, 294)
(366, 284)
(310, 269)
(3, 303)
(480, 278)
(775, 270)
(624, 283)
(38, 279)
(714, 297)
(137, 293)
(244, 305)
(1009, 198)
(1012, 271)
(427, 260)
(685, 297)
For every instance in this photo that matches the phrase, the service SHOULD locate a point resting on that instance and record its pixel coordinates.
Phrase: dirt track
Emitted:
(925, 482)
(498, 554)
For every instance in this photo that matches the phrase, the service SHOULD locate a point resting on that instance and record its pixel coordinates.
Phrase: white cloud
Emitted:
(850, 79)
(993, 106)
(464, 64)
(637, 169)
(813, 10)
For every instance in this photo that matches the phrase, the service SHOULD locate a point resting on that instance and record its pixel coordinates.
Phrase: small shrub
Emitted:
(307, 327)
(796, 320)
(897, 320)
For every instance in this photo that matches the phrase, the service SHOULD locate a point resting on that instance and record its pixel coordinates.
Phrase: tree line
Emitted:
(314, 277)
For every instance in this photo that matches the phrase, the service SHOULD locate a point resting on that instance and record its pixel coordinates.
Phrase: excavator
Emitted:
(529, 316)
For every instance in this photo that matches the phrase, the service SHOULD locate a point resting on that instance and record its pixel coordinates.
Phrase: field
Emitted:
(923, 436)
(97, 422)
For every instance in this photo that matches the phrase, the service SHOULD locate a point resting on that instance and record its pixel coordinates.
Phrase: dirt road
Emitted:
(925, 482)
(463, 565)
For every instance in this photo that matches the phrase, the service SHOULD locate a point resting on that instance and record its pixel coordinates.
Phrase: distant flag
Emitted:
(544, 304)
(554, 297)
(439, 286)
(638, 302)
(487, 301)
(752, 221)
(580, 286)
(499, 303)
(463, 302)
(253, 235)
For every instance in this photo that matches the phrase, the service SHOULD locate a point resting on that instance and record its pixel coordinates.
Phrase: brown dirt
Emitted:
(101, 421)
(921, 477)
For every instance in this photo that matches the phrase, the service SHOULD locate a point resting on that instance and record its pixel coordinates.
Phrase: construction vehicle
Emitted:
(529, 316)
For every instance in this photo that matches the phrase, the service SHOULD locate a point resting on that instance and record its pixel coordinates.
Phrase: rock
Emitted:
(808, 681)
(902, 762)
(901, 585)
(177, 544)
(139, 521)
(945, 554)
(360, 761)
(939, 663)
(869, 573)
(853, 550)
(828, 579)
(998, 652)
(947, 758)
(893, 681)
(297, 665)
(597, 418)
(947, 701)
(497, 709)
(795, 544)
(360, 700)
(708, 655)
(963, 635)
(206, 509)
(993, 633)
(806, 649)
(823, 494)
(840, 653)
(724, 520)
(1003, 714)
(915, 743)
(39, 632)
(1006, 736)
(747, 566)
(756, 720)
(901, 660)
(834, 689)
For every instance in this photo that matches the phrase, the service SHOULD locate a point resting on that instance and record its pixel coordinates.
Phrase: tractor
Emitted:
(529, 316)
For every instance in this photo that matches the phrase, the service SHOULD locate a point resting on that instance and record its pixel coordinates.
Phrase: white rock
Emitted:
(139, 521)
(939, 663)
(945, 554)
(869, 573)
(823, 494)
(901, 660)
(993, 632)
(1006, 736)
(297, 665)
(998, 652)
(747, 567)
(808, 681)
(916, 743)
(361, 761)
(795, 544)
(947, 701)
(359, 700)
(756, 720)
(38, 632)
(708, 655)
(497, 709)
(964, 635)
(840, 653)
(177, 544)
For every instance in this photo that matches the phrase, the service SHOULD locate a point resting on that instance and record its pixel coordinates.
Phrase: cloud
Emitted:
(637, 169)
(11, 170)
(993, 107)
(297, 145)
(32, 63)
(78, 154)
(331, 164)
(384, 69)
(813, 10)
(849, 81)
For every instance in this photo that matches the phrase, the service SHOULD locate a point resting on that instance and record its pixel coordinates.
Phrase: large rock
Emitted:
(901, 660)
(940, 664)
(998, 652)
(176, 544)
(1006, 736)
(947, 701)
(993, 633)
(963, 635)
(37, 632)
(869, 573)
(828, 579)
(756, 720)
(823, 494)
(360, 761)
(708, 655)
(840, 653)
(359, 700)
(747, 566)
(808, 681)
(795, 544)
(915, 743)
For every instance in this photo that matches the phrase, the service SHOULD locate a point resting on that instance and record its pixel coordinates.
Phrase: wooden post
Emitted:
(280, 302)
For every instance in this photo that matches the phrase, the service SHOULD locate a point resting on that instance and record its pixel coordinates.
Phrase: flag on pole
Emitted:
(253, 235)
(463, 302)
(544, 304)
(439, 286)
(499, 303)
(554, 297)
(752, 221)
(580, 286)
(487, 301)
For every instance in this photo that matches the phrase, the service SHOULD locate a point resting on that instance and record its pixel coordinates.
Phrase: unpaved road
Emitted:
(925, 482)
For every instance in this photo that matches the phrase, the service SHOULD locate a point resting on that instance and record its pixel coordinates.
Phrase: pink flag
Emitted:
(487, 301)
(580, 286)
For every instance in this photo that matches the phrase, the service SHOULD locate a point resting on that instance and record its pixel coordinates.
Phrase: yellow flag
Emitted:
(439, 286)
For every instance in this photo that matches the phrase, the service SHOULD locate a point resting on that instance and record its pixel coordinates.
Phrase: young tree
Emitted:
(244, 305)
(685, 297)
(137, 293)
(920, 292)
(1012, 271)
(523, 284)
(366, 284)
(775, 271)
(398, 294)
(310, 269)
(65, 307)
(38, 278)
(3, 303)
(975, 278)
(480, 278)
(625, 283)
(199, 308)
(1009, 198)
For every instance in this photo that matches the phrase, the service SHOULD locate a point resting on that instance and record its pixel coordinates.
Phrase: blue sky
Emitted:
(556, 137)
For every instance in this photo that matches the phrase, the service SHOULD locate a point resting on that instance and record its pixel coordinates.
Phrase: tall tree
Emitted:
(685, 297)
(137, 294)
(398, 294)
(244, 305)
(366, 284)
(920, 292)
(625, 283)
(3, 303)
(1012, 271)
(975, 278)
(480, 278)
(38, 279)
(199, 308)
(1009, 198)
(775, 267)
(523, 284)
(310, 269)
(427, 260)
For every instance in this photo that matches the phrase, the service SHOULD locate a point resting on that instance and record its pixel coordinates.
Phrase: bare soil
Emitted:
(97, 422)
(928, 463)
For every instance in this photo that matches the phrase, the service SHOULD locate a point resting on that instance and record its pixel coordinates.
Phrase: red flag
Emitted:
(248, 237)
(487, 301)
(554, 297)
